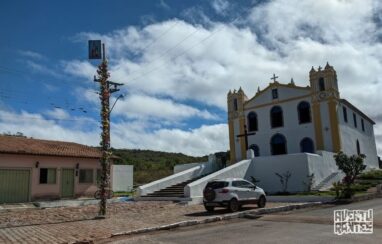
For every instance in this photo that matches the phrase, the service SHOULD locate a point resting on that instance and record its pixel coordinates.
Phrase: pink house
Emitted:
(32, 169)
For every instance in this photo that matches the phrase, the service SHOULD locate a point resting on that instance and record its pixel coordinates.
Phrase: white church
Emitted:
(286, 119)
(282, 130)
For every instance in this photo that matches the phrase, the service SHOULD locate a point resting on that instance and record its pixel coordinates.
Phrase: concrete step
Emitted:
(174, 191)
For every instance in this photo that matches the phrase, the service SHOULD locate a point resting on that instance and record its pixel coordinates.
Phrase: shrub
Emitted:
(351, 166)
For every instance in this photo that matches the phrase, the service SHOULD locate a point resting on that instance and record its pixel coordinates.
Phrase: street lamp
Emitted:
(120, 96)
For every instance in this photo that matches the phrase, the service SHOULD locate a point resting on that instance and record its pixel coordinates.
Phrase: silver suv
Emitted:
(232, 193)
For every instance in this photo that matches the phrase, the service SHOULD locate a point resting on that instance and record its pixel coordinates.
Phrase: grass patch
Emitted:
(123, 194)
(374, 174)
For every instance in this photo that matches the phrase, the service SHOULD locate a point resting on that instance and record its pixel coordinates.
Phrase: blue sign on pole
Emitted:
(95, 49)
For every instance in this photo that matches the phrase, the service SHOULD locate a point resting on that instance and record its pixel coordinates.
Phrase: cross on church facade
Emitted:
(245, 135)
(274, 78)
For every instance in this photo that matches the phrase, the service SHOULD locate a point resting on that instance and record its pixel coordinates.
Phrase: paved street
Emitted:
(302, 226)
(61, 225)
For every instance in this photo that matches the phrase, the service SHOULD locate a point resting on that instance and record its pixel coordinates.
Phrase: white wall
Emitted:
(293, 131)
(122, 177)
(350, 134)
(264, 169)
(194, 190)
(300, 165)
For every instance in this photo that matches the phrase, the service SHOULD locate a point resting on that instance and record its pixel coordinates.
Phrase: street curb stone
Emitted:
(243, 214)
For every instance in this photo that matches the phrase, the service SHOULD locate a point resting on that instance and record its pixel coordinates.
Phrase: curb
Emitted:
(244, 214)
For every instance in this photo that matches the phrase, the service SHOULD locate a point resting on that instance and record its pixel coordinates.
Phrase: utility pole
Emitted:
(105, 92)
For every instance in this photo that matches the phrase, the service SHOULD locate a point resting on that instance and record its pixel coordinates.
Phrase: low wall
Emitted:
(195, 189)
(300, 165)
(265, 168)
(122, 177)
(185, 175)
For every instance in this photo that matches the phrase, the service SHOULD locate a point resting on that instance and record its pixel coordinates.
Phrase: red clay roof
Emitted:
(23, 145)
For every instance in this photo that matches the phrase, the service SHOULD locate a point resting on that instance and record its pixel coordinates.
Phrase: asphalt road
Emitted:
(301, 226)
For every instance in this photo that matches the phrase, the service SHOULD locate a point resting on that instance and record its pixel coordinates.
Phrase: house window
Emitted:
(363, 125)
(276, 117)
(255, 149)
(321, 84)
(235, 104)
(306, 145)
(252, 121)
(278, 145)
(304, 112)
(47, 176)
(275, 94)
(358, 148)
(345, 113)
(86, 176)
(355, 120)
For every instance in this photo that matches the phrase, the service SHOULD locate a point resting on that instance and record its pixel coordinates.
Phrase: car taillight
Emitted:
(224, 190)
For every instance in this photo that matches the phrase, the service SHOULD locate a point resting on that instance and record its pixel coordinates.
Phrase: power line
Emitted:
(159, 37)
(184, 52)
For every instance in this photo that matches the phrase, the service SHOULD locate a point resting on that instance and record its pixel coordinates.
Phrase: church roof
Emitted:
(354, 108)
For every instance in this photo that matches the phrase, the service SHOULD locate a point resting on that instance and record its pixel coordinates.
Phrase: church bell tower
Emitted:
(236, 121)
(325, 102)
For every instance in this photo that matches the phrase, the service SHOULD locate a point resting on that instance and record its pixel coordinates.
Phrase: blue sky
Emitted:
(177, 59)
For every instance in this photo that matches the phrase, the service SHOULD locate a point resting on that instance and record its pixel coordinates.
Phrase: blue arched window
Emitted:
(306, 145)
(304, 112)
(278, 145)
(252, 121)
(255, 149)
(277, 117)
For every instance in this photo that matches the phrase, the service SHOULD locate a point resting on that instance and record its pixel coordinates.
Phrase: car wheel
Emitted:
(233, 205)
(209, 208)
(262, 201)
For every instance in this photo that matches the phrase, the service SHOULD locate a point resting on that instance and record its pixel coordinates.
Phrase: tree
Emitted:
(351, 166)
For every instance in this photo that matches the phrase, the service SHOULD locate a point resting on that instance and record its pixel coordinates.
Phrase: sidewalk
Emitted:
(41, 225)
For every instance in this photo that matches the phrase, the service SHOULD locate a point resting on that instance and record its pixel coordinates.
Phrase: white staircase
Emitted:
(327, 183)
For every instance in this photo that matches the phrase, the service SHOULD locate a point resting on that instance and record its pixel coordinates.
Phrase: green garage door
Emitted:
(14, 185)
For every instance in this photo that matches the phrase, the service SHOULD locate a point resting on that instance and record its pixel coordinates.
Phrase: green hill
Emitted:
(152, 165)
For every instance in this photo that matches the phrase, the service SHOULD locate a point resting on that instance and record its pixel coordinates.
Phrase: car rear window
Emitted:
(217, 184)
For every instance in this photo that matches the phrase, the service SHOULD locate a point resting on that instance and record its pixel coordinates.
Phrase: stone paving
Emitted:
(70, 224)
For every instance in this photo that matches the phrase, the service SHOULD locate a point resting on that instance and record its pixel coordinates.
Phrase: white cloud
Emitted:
(40, 68)
(220, 6)
(57, 113)
(164, 5)
(36, 126)
(31, 54)
(199, 141)
(142, 106)
(81, 69)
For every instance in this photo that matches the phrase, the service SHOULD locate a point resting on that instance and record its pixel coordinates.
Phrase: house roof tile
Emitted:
(23, 145)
